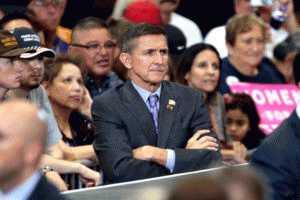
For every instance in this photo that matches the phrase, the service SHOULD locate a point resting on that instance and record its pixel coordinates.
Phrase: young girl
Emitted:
(243, 122)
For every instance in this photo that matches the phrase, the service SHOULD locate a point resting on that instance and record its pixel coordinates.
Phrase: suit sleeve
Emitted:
(198, 159)
(113, 149)
(282, 171)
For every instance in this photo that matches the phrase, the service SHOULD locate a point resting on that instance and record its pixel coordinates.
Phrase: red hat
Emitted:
(143, 11)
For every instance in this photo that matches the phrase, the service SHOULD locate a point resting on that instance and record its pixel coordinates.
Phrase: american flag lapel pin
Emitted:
(171, 104)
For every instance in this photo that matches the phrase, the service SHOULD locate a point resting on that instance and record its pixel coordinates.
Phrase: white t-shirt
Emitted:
(217, 38)
(189, 28)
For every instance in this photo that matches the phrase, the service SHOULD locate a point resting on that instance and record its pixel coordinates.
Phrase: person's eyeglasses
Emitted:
(46, 3)
(96, 46)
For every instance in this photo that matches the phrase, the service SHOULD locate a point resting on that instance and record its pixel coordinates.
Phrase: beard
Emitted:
(29, 86)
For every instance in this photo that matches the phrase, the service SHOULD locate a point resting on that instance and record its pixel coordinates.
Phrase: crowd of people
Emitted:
(141, 94)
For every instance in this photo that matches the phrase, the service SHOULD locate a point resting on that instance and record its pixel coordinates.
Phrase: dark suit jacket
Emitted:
(279, 158)
(46, 191)
(123, 122)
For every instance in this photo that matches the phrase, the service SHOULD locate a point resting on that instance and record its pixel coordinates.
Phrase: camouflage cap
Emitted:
(9, 46)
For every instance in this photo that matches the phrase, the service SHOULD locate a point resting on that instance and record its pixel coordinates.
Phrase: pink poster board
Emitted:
(274, 102)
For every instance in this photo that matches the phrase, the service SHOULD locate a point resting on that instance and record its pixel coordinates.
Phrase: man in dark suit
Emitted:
(279, 154)
(23, 134)
(138, 137)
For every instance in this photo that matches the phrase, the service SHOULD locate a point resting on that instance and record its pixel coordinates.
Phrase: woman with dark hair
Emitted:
(199, 67)
(63, 81)
(243, 121)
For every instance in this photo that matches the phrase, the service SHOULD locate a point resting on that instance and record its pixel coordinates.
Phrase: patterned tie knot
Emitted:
(153, 99)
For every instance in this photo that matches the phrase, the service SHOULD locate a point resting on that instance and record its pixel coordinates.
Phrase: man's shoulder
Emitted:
(45, 190)
(283, 141)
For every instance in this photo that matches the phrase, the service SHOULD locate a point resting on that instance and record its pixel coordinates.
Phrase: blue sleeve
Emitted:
(170, 160)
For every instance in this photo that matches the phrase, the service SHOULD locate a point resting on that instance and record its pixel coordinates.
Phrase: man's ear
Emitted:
(126, 60)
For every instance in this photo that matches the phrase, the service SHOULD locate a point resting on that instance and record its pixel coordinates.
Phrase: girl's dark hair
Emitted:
(186, 61)
(245, 103)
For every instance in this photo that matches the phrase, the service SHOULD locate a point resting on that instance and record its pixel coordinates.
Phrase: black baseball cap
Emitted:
(30, 40)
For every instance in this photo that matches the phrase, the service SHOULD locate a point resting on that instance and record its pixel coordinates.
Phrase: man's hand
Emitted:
(87, 174)
(205, 142)
(151, 153)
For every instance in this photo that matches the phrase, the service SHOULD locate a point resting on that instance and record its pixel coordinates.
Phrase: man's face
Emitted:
(33, 72)
(148, 63)
(99, 50)
(167, 5)
(10, 73)
(47, 13)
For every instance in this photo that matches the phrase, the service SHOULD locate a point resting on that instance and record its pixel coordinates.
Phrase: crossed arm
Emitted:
(159, 155)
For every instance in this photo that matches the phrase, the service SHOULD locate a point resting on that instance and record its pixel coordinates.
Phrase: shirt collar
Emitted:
(23, 191)
(145, 93)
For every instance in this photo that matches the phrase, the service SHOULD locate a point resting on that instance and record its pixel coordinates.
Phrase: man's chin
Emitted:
(29, 86)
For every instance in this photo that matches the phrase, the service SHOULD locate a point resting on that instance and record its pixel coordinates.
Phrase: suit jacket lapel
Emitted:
(140, 112)
(166, 114)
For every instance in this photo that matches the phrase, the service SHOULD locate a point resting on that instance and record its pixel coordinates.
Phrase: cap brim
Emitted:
(40, 50)
(14, 53)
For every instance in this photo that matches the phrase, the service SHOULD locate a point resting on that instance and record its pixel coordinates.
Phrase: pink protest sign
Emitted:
(274, 102)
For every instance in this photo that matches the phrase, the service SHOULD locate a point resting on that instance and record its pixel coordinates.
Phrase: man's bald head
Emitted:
(23, 134)
(24, 119)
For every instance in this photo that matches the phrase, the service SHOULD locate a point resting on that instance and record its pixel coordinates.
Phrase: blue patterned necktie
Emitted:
(153, 99)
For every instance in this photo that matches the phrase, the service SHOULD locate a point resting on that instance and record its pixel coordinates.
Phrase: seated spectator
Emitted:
(199, 67)
(10, 65)
(30, 89)
(245, 39)
(92, 39)
(243, 124)
(46, 17)
(63, 81)
(128, 125)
